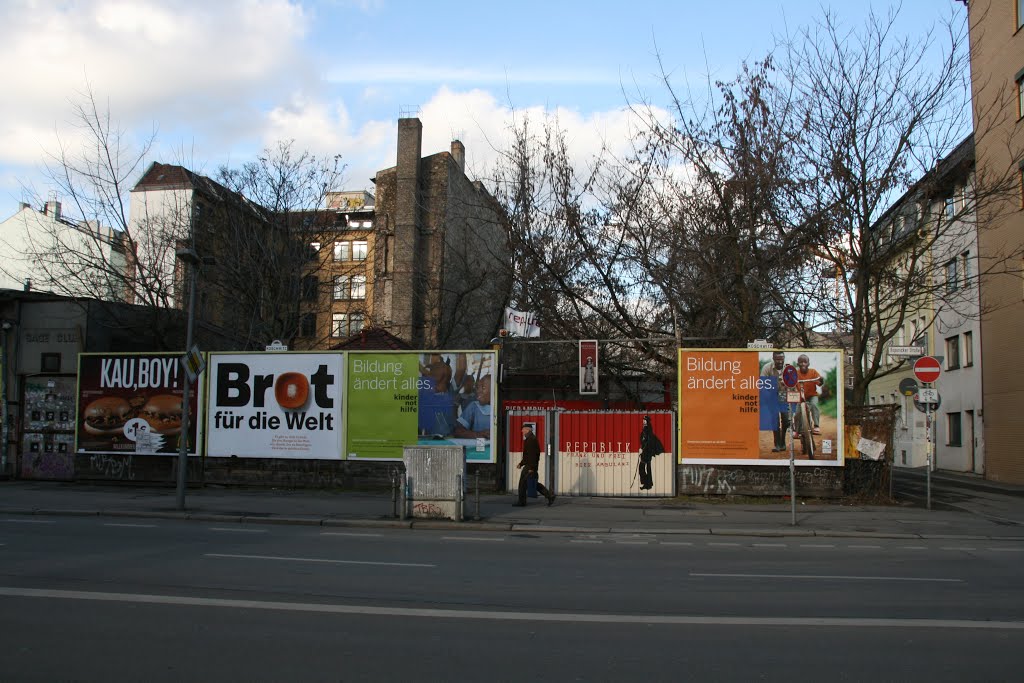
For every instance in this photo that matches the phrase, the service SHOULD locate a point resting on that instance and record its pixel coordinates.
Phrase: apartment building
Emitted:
(42, 249)
(935, 223)
(424, 258)
(997, 85)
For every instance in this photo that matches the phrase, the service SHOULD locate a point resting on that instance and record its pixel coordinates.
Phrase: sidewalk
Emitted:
(495, 512)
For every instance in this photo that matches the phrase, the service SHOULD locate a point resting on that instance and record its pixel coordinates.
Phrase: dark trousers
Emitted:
(646, 476)
(541, 489)
(780, 434)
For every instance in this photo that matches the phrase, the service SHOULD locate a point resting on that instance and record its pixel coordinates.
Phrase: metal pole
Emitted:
(461, 501)
(185, 399)
(404, 502)
(792, 468)
(477, 516)
(928, 452)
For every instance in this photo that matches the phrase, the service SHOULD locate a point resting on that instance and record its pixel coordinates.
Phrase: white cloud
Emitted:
(146, 59)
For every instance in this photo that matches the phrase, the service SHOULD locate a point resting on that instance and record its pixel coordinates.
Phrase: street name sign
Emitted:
(906, 351)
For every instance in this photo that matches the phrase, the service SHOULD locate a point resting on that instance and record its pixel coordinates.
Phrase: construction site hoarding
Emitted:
(607, 453)
(400, 398)
(735, 406)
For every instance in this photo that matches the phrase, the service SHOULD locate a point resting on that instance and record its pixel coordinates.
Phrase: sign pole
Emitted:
(928, 459)
(792, 470)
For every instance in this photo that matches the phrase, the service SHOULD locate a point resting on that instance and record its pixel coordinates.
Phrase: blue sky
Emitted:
(219, 81)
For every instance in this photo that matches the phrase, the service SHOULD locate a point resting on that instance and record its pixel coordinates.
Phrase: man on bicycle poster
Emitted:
(809, 379)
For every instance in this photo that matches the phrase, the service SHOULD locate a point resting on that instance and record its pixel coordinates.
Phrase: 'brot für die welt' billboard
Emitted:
(275, 405)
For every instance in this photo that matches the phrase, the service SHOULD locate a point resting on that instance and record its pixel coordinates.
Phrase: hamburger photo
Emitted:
(163, 413)
(106, 416)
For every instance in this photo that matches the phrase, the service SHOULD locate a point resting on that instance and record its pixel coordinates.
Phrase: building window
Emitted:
(358, 290)
(1020, 97)
(953, 432)
(952, 281)
(338, 325)
(968, 349)
(950, 207)
(310, 285)
(965, 267)
(49, 362)
(952, 353)
(1020, 13)
(342, 251)
(359, 250)
(346, 324)
(341, 287)
(308, 325)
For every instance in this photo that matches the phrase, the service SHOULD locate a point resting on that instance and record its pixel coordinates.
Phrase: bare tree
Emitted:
(279, 239)
(876, 121)
(92, 251)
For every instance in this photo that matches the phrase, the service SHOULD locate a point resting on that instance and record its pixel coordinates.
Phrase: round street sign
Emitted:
(908, 386)
(925, 407)
(927, 369)
(789, 376)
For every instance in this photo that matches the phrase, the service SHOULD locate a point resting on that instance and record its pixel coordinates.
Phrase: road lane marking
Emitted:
(913, 547)
(580, 540)
(347, 533)
(30, 521)
(136, 526)
(632, 542)
(1007, 550)
(953, 547)
(724, 545)
(676, 543)
(817, 545)
(495, 615)
(472, 538)
(237, 531)
(769, 545)
(827, 577)
(865, 547)
(315, 559)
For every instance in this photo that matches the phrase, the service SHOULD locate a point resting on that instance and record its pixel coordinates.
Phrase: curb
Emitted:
(493, 526)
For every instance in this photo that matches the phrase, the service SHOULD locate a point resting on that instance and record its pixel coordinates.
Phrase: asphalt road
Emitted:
(105, 599)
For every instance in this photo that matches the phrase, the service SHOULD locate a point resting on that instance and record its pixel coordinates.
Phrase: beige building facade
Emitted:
(997, 79)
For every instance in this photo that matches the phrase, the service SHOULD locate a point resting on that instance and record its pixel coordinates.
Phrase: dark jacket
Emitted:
(531, 452)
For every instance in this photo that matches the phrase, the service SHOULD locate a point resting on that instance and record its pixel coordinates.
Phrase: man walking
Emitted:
(528, 465)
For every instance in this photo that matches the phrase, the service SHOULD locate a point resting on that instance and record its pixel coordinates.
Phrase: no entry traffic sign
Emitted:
(927, 369)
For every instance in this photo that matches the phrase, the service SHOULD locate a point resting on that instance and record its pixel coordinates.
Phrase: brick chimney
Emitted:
(459, 154)
(53, 209)
(406, 307)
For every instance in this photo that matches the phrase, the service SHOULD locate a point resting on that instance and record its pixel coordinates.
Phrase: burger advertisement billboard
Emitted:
(274, 405)
(132, 403)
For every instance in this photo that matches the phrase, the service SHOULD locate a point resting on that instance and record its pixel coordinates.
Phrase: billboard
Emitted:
(275, 405)
(588, 363)
(396, 399)
(735, 406)
(131, 403)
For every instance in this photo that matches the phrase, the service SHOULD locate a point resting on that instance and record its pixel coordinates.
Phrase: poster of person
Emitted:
(132, 403)
(588, 366)
(398, 399)
(750, 406)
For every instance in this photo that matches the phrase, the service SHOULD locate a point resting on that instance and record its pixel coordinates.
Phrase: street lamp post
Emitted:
(191, 259)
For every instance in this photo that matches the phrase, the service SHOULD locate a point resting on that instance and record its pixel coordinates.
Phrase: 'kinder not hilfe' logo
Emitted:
(238, 388)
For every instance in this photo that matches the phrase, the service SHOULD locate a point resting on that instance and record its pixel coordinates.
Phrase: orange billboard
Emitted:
(750, 406)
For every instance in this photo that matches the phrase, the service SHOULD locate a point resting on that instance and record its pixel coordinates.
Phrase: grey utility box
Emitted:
(435, 481)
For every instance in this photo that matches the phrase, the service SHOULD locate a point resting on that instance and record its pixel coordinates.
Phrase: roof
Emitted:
(372, 339)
